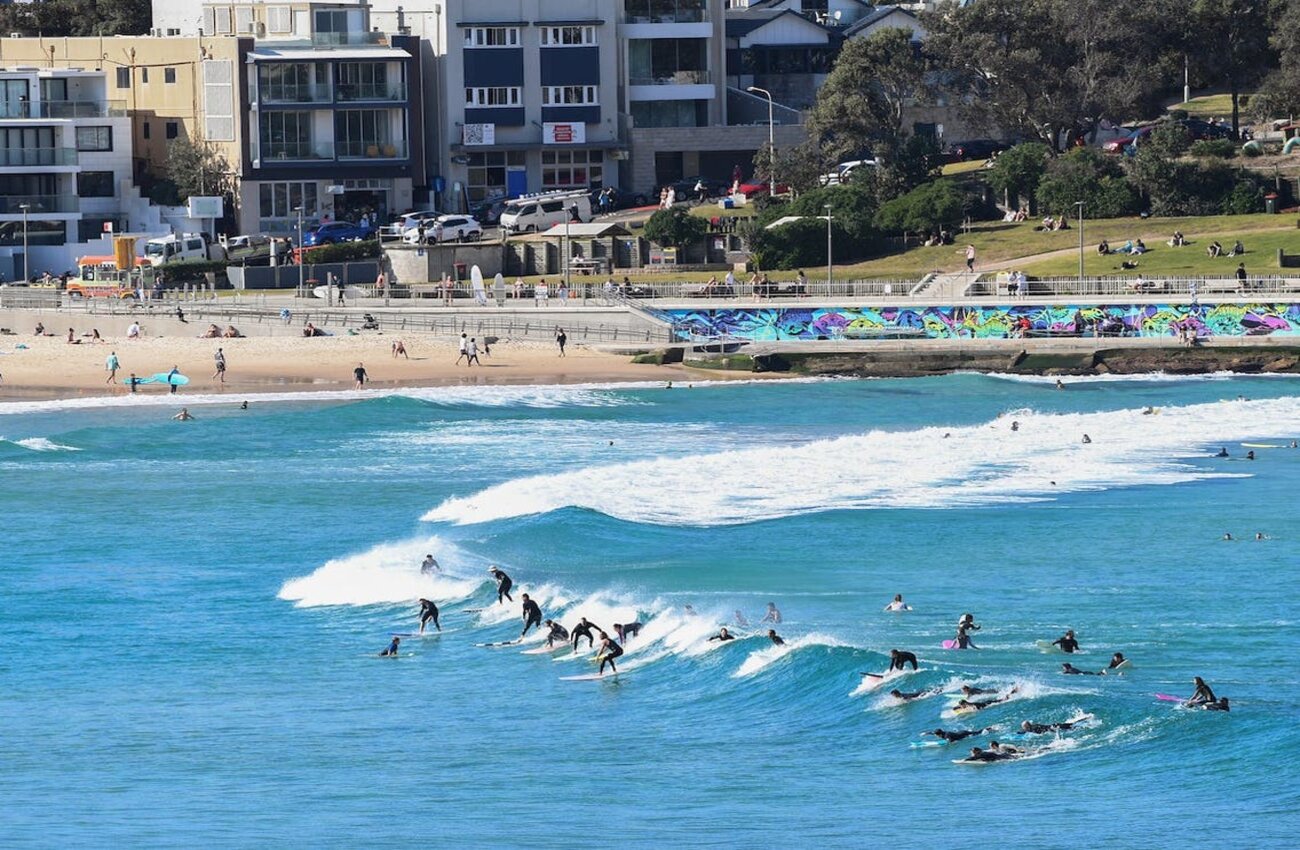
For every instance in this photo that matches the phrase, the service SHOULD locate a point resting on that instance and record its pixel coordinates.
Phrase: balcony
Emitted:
(38, 204)
(386, 92)
(272, 93)
(34, 157)
(371, 150)
(273, 152)
(665, 11)
(673, 78)
(347, 39)
(63, 109)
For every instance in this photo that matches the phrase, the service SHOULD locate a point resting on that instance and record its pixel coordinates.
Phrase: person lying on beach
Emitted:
(72, 340)
(232, 332)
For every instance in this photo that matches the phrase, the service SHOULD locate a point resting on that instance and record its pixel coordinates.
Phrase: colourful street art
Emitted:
(779, 323)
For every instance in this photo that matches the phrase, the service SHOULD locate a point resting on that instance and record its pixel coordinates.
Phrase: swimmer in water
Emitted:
(1060, 385)
(723, 635)
(556, 633)
(898, 604)
(1227, 535)
(1067, 643)
(429, 565)
(1223, 452)
(772, 615)
(584, 629)
(1116, 660)
(244, 406)
(184, 415)
(532, 615)
(1202, 694)
(1070, 670)
(1250, 455)
(1147, 411)
(954, 735)
(503, 584)
(609, 650)
(626, 630)
(1086, 439)
(1259, 535)
(899, 659)
(391, 650)
(775, 638)
(428, 611)
(1043, 728)
(908, 696)
(967, 622)
(1015, 426)
(740, 618)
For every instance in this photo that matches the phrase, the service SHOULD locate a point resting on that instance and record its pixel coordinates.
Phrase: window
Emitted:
(36, 232)
(94, 138)
(169, 76)
(144, 129)
(487, 173)
(332, 23)
(173, 30)
(144, 74)
(244, 19)
(173, 129)
(362, 132)
(492, 97)
(223, 20)
(90, 229)
(568, 36)
(278, 19)
(95, 184)
(286, 135)
(278, 200)
(492, 36)
(569, 96)
(124, 78)
(572, 169)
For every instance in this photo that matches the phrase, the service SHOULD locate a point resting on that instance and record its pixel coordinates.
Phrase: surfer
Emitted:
(898, 604)
(976, 754)
(723, 636)
(980, 705)
(1015, 426)
(556, 633)
(969, 691)
(1070, 670)
(899, 659)
(1086, 439)
(1002, 748)
(955, 735)
(1202, 694)
(1116, 661)
(428, 611)
(391, 650)
(775, 638)
(584, 629)
(911, 695)
(1220, 704)
(184, 415)
(963, 640)
(1250, 455)
(503, 584)
(967, 622)
(1060, 385)
(429, 565)
(624, 630)
(1067, 643)
(609, 650)
(532, 616)
(1227, 535)
(1031, 728)
(1148, 410)
(1223, 452)
(740, 618)
(772, 615)
(172, 375)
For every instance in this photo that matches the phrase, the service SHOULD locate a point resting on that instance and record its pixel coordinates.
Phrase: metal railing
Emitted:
(776, 290)
(63, 109)
(347, 39)
(665, 11)
(673, 78)
(33, 157)
(394, 91)
(270, 93)
(371, 150)
(38, 204)
(1131, 287)
(292, 152)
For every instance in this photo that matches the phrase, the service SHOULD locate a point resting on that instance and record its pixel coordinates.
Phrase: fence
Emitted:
(840, 290)
(1104, 287)
(312, 274)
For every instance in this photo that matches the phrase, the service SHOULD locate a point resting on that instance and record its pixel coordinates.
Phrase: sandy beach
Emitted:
(51, 368)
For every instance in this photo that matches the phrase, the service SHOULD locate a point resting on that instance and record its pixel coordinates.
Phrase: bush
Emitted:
(853, 207)
(674, 228)
(801, 243)
(1017, 172)
(1245, 198)
(1220, 148)
(342, 252)
(1087, 175)
(192, 271)
(925, 209)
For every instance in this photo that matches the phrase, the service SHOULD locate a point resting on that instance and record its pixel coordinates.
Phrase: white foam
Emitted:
(1143, 377)
(389, 572)
(763, 658)
(40, 444)
(982, 464)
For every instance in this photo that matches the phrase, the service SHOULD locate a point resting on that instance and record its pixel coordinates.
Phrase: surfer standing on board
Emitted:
(899, 659)
(428, 611)
(609, 650)
(556, 633)
(503, 584)
(583, 629)
(532, 616)
(429, 565)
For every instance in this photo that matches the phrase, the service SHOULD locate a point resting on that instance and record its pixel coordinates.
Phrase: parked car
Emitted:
(396, 228)
(455, 228)
(754, 188)
(1201, 130)
(334, 232)
(1124, 143)
(843, 172)
(621, 200)
(535, 213)
(685, 189)
(975, 149)
(488, 211)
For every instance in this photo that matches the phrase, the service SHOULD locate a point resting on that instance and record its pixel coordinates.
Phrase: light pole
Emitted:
(26, 273)
(829, 262)
(568, 246)
(771, 142)
(1079, 204)
(301, 285)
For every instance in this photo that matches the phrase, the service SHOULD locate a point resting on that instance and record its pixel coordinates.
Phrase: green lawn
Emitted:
(707, 211)
(1210, 106)
(1260, 258)
(951, 168)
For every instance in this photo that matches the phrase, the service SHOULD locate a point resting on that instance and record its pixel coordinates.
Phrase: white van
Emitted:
(535, 213)
(184, 246)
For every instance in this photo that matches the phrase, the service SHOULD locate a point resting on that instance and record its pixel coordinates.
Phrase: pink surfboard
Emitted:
(950, 644)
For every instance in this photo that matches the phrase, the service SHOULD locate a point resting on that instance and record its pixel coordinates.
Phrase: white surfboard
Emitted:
(349, 292)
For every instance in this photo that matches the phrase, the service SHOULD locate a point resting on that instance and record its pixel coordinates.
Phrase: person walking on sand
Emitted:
(220, 359)
(111, 365)
(360, 374)
(471, 351)
(399, 348)
(171, 378)
(561, 338)
(464, 347)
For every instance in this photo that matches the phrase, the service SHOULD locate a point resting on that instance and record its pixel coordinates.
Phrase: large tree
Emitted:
(1280, 94)
(1230, 41)
(77, 17)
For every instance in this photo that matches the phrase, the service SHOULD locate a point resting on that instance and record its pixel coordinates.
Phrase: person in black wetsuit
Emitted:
(532, 615)
(956, 734)
(625, 630)
(1044, 728)
(429, 565)
(899, 659)
(980, 705)
(969, 691)
(1070, 670)
(609, 650)
(391, 651)
(1003, 748)
(1116, 660)
(1223, 452)
(1067, 643)
(976, 754)
(556, 633)
(722, 635)
(775, 638)
(584, 629)
(503, 584)
(1202, 694)
(963, 639)
(1220, 704)
(428, 611)
(908, 696)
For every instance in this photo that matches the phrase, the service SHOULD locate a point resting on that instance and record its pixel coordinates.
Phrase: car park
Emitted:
(445, 228)
(334, 232)
(396, 228)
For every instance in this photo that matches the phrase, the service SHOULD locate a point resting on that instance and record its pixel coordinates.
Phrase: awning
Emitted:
(327, 53)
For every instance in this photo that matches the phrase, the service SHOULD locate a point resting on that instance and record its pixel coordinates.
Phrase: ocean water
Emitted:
(193, 612)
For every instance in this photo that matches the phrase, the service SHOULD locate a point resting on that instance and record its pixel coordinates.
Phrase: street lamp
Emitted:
(568, 246)
(1079, 217)
(302, 293)
(771, 142)
(829, 262)
(26, 275)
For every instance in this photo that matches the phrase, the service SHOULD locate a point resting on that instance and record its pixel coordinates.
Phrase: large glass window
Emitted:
(285, 135)
(668, 61)
(38, 232)
(279, 200)
(569, 96)
(665, 11)
(491, 37)
(293, 82)
(95, 184)
(568, 36)
(94, 138)
(487, 173)
(367, 81)
(15, 97)
(363, 132)
(572, 169)
(480, 98)
(670, 113)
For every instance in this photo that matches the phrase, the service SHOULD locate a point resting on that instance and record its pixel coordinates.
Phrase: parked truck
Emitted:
(177, 248)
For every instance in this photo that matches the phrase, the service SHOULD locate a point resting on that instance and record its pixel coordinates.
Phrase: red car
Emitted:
(1123, 143)
(753, 188)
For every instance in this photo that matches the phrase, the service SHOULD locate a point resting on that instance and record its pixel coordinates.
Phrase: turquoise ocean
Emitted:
(192, 614)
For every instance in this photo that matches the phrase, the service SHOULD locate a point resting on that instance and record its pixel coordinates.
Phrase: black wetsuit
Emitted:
(959, 735)
(902, 659)
(989, 755)
(1115, 662)
(1071, 670)
(720, 636)
(557, 633)
(532, 616)
(1067, 644)
(583, 629)
(610, 651)
(1203, 695)
(909, 695)
(1044, 728)
(429, 611)
(626, 629)
(777, 639)
(964, 641)
(503, 586)
(978, 706)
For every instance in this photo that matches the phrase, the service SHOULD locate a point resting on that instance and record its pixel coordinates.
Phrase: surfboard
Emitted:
(1169, 698)
(969, 761)
(161, 378)
(925, 745)
(1263, 445)
(322, 292)
(404, 635)
(499, 643)
(1049, 647)
(589, 677)
(950, 644)
(1120, 668)
(544, 649)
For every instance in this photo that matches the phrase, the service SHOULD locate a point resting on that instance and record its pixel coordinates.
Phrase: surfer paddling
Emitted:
(1030, 728)
(952, 736)
(1070, 670)
(723, 635)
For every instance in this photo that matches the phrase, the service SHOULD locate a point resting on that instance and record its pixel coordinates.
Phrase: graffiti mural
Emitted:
(976, 322)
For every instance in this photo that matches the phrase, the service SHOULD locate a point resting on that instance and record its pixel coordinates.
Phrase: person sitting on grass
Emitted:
(1214, 250)
(1103, 248)
(1177, 241)
(1237, 249)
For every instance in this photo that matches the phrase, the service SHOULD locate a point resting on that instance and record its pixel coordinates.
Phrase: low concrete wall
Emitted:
(408, 264)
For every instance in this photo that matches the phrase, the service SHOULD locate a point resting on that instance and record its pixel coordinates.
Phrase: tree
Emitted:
(799, 167)
(78, 17)
(1016, 172)
(925, 209)
(674, 227)
(860, 106)
(853, 207)
(800, 243)
(1233, 41)
(195, 167)
(1280, 93)
(1088, 175)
